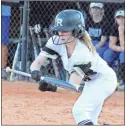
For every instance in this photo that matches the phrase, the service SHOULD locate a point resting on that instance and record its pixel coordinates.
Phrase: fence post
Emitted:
(24, 39)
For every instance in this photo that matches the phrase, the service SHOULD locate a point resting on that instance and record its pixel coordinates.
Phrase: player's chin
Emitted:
(66, 42)
(63, 41)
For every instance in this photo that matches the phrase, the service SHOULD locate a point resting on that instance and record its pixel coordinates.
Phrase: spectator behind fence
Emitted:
(97, 27)
(116, 50)
(6, 13)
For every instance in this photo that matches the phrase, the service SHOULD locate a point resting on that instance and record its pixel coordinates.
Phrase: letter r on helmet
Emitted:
(59, 22)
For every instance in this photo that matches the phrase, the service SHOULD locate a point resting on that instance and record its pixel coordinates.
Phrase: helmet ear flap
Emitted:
(55, 33)
(78, 32)
(82, 30)
(75, 33)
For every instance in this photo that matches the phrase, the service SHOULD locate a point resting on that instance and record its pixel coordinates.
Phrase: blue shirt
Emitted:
(96, 30)
(6, 10)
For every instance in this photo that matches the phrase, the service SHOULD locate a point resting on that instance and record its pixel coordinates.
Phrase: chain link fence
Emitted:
(43, 13)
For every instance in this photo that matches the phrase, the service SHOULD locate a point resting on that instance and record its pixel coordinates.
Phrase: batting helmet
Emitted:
(69, 20)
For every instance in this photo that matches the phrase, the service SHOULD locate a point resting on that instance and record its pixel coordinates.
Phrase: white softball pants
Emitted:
(89, 104)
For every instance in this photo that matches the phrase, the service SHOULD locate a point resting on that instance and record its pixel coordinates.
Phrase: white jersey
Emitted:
(80, 55)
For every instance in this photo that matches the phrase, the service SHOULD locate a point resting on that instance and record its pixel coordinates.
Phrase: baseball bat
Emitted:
(37, 30)
(45, 30)
(35, 46)
(39, 40)
(57, 82)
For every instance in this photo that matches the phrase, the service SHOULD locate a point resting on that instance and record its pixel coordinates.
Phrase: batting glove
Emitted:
(36, 75)
(43, 86)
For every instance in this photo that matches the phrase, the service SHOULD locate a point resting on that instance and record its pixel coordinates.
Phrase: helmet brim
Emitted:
(63, 28)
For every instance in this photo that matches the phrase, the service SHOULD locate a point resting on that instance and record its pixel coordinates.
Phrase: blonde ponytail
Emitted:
(88, 42)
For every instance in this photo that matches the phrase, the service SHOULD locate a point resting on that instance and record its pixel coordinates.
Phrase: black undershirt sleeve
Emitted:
(50, 51)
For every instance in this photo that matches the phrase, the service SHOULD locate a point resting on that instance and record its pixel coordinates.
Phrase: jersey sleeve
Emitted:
(50, 50)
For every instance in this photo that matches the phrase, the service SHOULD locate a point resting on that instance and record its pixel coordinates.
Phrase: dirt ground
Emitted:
(24, 104)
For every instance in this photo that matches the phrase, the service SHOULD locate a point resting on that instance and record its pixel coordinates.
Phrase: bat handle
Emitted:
(8, 69)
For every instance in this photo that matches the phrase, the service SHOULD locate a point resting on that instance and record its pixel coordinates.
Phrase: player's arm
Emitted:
(35, 69)
(81, 72)
(37, 63)
(48, 51)
(42, 58)
(75, 78)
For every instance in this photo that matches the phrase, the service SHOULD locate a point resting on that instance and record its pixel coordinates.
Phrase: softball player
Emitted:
(73, 44)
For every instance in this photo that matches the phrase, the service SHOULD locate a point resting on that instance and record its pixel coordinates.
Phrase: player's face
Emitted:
(65, 37)
(95, 11)
(120, 20)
